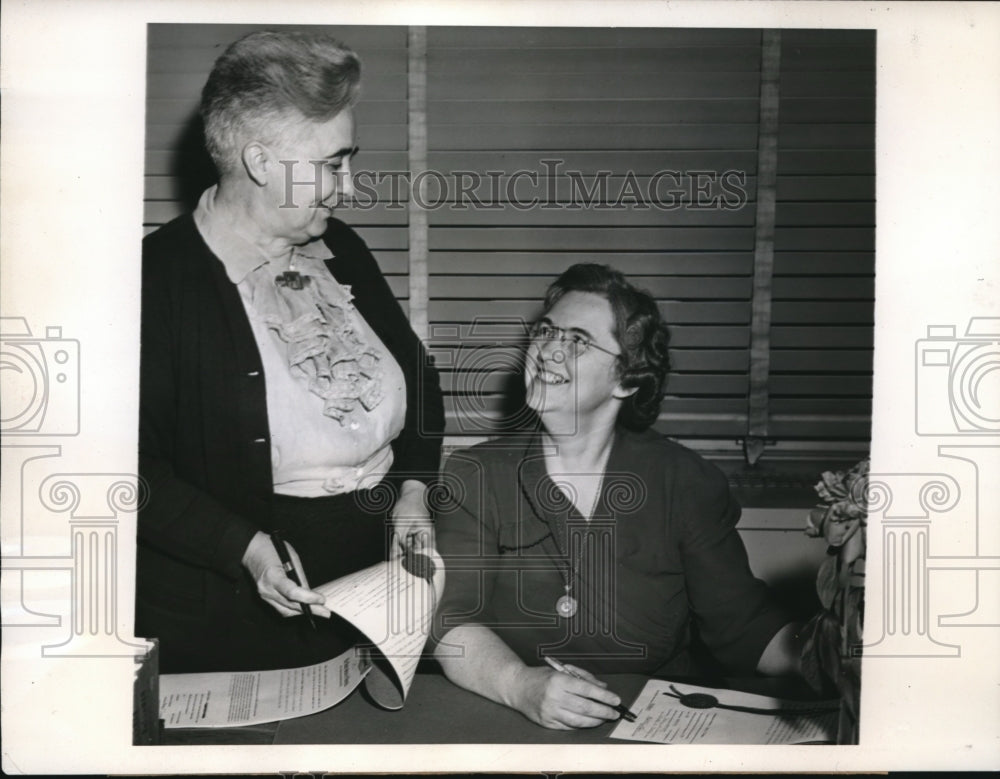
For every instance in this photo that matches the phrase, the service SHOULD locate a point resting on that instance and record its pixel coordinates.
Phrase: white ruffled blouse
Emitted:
(336, 397)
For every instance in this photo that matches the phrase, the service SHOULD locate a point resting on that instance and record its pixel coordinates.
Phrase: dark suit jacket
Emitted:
(204, 443)
(663, 553)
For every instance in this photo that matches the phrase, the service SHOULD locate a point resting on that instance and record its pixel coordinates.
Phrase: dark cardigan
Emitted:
(204, 443)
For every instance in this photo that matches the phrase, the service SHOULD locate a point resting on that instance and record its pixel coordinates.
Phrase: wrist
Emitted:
(260, 556)
(514, 683)
(412, 488)
(253, 548)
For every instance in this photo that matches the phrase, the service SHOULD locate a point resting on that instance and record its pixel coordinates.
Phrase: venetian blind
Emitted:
(180, 58)
(632, 147)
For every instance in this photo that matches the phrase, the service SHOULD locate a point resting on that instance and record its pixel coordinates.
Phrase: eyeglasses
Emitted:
(575, 342)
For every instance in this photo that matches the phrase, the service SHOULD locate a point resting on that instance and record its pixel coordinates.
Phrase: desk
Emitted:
(438, 712)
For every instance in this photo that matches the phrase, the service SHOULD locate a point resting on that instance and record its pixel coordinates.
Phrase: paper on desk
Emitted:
(227, 699)
(663, 719)
(393, 604)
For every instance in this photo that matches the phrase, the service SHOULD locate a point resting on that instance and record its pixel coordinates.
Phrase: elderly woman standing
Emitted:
(600, 543)
(282, 388)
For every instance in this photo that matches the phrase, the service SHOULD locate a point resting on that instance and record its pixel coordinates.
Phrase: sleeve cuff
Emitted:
(228, 556)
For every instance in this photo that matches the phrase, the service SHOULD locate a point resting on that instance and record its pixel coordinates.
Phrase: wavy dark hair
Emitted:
(266, 78)
(640, 331)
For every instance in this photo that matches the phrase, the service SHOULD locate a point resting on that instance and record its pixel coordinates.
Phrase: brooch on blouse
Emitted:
(291, 279)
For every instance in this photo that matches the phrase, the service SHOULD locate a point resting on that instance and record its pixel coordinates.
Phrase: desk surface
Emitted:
(438, 712)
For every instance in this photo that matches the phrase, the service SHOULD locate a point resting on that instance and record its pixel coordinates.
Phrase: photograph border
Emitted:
(72, 215)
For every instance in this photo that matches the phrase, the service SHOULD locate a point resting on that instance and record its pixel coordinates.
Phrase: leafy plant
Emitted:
(831, 657)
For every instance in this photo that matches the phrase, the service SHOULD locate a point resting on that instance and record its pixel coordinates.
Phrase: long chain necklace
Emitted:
(567, 605)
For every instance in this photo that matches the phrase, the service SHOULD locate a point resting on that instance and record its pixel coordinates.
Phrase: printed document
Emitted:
(392, 603)
(226, 699)
(672, 713)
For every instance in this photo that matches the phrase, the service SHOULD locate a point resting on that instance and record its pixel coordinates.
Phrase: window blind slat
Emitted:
(836, 161)
(591, 136)
(519, 38)
(632, 102)
(612, 111)
(171, 36)
(829, 109)
(522, 287)
(825, 188)
(828, 361)
(163, 163)
(495, 381)
(819, 238)
(625, 215)
(590, 238)
(826, 263)
(679, 313)
(199, 59)
(834, 335)
(554, 262)
(162, 211)
(594, 60)
(511, 332)
(820, 312)
(844, 288)
(591, 162)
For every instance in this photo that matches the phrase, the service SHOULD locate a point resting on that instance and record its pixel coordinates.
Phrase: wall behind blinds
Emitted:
(177, 168)
(618, 109)
(608, 121)
(633, 147)
(824, 283)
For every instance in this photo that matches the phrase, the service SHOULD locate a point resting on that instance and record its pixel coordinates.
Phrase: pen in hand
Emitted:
(289, 567)
(623, 710)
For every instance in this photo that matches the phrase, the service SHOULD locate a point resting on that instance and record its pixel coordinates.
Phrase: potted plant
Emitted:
(831, 654)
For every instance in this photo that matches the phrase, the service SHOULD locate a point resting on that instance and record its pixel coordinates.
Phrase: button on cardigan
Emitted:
(203, 427)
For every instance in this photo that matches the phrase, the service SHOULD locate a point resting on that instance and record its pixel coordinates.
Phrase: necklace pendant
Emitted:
(566, 606)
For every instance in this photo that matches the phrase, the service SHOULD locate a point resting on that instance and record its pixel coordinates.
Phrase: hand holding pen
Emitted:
(289, 567)
(622, 710)
(279, 577)
(567, 699)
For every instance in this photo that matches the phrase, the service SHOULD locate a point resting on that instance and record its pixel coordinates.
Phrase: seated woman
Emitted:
(281, 386)
(601, 543)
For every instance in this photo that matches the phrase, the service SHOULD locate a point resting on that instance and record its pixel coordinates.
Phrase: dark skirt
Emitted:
(235, 630)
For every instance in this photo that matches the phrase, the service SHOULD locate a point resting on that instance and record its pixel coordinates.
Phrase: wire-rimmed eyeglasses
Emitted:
(576, 342)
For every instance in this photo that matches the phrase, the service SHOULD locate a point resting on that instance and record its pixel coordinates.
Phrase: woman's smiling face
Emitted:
(557, 377)
(311, 175)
